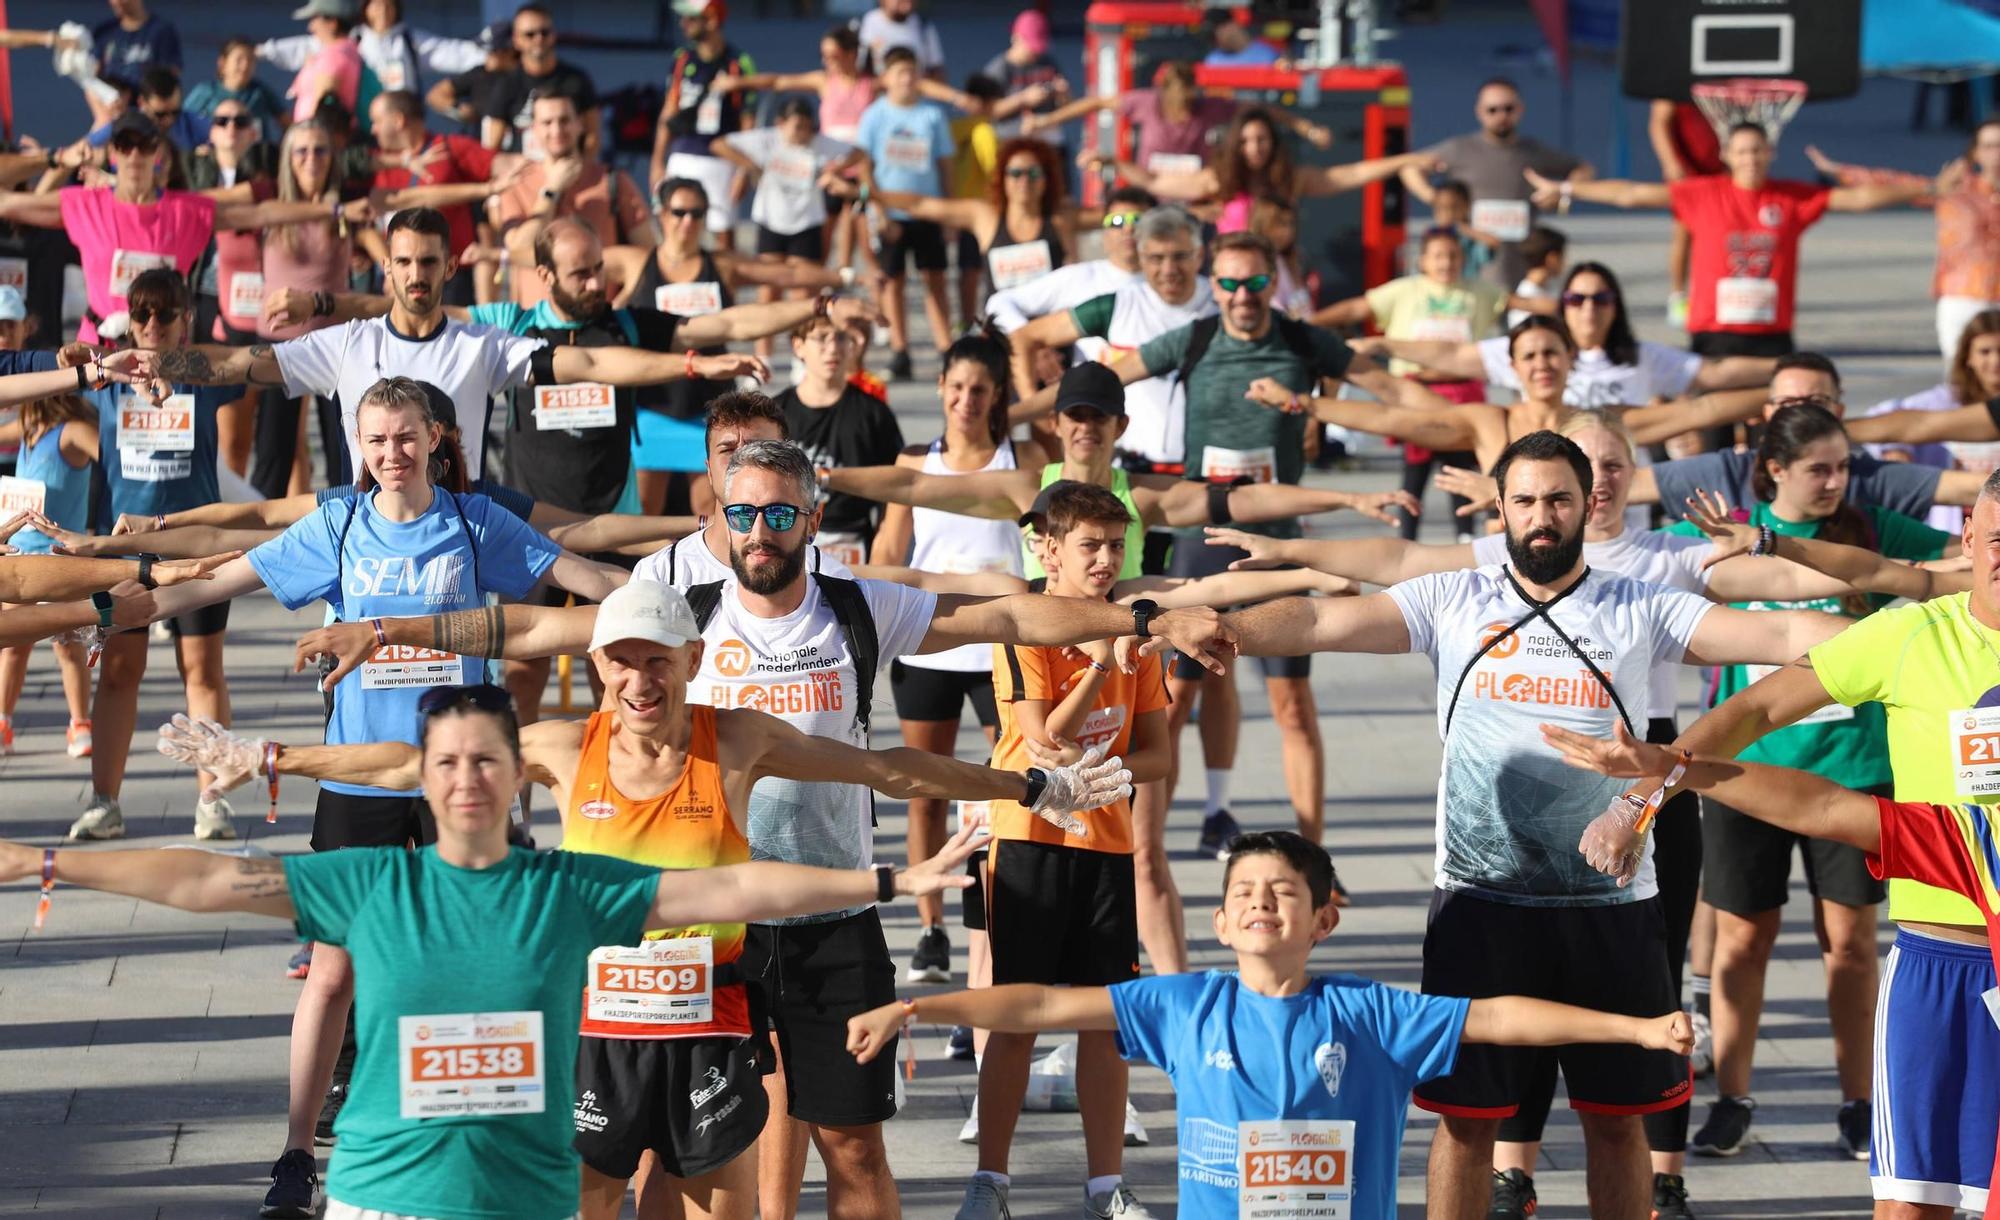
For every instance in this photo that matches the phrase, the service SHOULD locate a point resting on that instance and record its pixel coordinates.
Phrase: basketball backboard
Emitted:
(1667, 46)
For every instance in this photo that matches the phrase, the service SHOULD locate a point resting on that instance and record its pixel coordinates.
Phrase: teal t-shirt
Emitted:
(1849, 746)
(451, 967)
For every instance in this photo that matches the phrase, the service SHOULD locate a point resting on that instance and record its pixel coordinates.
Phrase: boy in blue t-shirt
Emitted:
(909, 148)
(1292, 1089)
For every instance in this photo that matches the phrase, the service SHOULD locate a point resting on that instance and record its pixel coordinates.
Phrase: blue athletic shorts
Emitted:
(1937, 1074)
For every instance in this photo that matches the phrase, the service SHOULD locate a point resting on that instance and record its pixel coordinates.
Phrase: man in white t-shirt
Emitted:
(1517, 907)
(1072, 284)
(895, 23)
(415, 339)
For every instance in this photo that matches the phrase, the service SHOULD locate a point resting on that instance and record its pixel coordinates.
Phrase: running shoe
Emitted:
(1218, 831)
(6, 735)
(969, 1133)
(1670, 1197)
(1513, 1196)
(1727, 1127)
(1856, 1122)
(102, 820)
(1702, 1057)
(329, 1110)
(985, 1199)
(212, 820)
(301, 964)
(79, 739)
(1118, 1201)
(960, 1046)
(294, 1187)
(899, 370)
(1135, 1131)
(931, 963)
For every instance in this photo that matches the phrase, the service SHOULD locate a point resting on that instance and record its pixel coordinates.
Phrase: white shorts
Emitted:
(715, 176)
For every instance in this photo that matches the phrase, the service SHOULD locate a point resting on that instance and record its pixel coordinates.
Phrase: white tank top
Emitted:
(952, 542)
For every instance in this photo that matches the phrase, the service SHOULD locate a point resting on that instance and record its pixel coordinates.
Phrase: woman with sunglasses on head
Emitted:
(477, 952)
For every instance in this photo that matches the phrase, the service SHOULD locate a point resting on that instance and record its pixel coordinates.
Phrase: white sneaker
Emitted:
(1135, 1131)
(985, 1199)
(1702, 1057)
(101, 820)
(1118, 1201)
(969, 1133)
(212, 819)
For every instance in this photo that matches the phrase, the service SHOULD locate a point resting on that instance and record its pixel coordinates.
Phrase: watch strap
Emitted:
(146, 562)
(885, 882)
(1038, 783)
(104, 603)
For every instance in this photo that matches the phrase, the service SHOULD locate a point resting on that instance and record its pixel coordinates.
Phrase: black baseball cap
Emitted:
(134, 124)
(1091, 384)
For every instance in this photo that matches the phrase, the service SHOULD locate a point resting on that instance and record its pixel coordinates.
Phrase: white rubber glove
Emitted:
(205, 745)
(1612, 843)
(1091, 782)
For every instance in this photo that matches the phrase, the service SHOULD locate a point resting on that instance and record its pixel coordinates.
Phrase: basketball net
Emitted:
(1769, 102)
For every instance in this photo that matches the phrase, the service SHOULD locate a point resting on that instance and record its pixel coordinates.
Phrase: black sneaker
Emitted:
(1218, 831)
(1670, 1197)
(1856, 1122)
(1727, 1127)
(960, 1046)
(931, 963)
(294, 1187)
(1513, 1196)
(899, 367)
(336, 1097)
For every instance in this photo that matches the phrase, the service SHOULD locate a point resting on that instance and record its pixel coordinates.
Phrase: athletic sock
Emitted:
(1218, 791)
(998, 1179)
(1098, 1185)
(1698, 987)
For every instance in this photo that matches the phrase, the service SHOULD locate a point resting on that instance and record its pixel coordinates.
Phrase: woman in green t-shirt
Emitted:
(1801, 485)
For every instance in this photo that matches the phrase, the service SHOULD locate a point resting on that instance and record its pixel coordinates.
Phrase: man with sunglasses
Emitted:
(1074, 283)
(508, 122)
(158, 97)
(1491, 161)
(695, 113)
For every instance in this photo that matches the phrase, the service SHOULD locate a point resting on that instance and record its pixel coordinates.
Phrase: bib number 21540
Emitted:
(1295, 1169)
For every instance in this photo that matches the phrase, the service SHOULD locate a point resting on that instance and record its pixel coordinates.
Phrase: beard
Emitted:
(1542, 565)
(771, 577)
(582, 308)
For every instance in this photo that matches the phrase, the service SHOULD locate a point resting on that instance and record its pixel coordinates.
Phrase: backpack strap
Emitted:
(857, 621)
(1201, 333)
(704, 600)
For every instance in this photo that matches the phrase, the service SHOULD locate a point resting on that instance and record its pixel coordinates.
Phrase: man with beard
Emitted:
(415, 339)
(806, 648)
(1517, 908)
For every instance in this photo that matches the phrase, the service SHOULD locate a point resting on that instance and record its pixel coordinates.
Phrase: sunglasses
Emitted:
(1120, 220)
(1255, 283)
(142, 314)
(165, 118)
(547, 31)
(686, 213)
(135, 143)
(483, 695)
(742, 518)
(1032, 173)
(1577, 299)
(232, 120)
(1508, 108)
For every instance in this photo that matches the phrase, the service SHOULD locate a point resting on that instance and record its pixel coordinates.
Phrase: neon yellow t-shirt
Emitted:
(1415, 307)
(1921, 662)
(977, 157)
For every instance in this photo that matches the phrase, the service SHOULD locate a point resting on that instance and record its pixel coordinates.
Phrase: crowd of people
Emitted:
(406, 339)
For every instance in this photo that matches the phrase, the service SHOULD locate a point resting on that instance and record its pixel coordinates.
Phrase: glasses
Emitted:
(1120, 220)
(143, 314)
(311, 151)
(483, 695)
(1031, 173)
(165, 118)
(232, 120)
(686, 213)
(1823, 401)
(1255, 283)
(1577, 300)
(742, 518)
(135, 143)
(545, 31)
(1503, 108)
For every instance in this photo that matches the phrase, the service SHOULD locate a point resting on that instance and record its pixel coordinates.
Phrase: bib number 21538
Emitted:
(471, 1064)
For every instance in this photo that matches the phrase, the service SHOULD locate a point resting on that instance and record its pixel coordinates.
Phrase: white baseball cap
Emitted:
(645, 610)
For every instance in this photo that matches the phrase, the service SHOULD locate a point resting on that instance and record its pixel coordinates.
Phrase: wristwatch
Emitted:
(885, 882)
(1143, 611)
(103, 601)
(145, 577)
(1038, 783)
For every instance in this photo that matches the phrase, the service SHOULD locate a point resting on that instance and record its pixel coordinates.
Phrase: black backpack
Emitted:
(850, 610)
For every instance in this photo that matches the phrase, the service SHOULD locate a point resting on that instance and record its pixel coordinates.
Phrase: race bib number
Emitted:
(847, 548)
(1017, 264)
(708, 115)
(14, 274)
(128, 265)
(691, 300)
(1979, 457)
(1295, 1169)
(794, 169)
(572, 408)
(1219, 465)
(22, 495)
(910, 153)
(1745, 300)
(246, 294)
(973, 811)
(1832, 713)
(392, 75)
(661, 982)
(1445, 328)
(469, 1065)
(395, 666)
(1100, 726)
(1173, 163)
(166, 428)
(1506, 219)
(1975, 751)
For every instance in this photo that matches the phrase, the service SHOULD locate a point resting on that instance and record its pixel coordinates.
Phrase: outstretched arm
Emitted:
(515, 632)
(1973, 423)
(215, 364)
(189, 880)
(1728, 636)
(1376, 561)
(1651, 424)
(1349, 624)
(1615, 192)
(992, 495)
(1518, 1020)
(631, 366)
(1013, 1008)
(1037, 619)
(1356, 174)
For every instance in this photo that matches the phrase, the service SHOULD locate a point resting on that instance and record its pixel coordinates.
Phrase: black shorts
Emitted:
(972, 899)
(1718, 343)
(1611, 958)
(208, 620)
(921, 240)
(1158, 552)
(808, 244)
(1747, 864)
(696, 1103)
(343, 819)
(1058, 915)
(940, 694)
(815, 976)
(1193, 558)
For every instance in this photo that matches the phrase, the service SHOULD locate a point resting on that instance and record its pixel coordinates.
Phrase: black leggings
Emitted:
(1677, 865)
(1417, 476)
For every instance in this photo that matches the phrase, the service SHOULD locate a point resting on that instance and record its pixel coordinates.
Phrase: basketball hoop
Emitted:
(1769, 102)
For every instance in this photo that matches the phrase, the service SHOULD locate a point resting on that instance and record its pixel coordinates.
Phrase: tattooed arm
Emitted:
(190, 880)
(215, 364)
(514, 632)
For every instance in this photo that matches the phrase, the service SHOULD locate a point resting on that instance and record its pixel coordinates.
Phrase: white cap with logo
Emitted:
(645, 610)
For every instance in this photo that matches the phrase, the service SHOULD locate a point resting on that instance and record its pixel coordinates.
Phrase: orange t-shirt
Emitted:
(686, 827)
(1045, 674)
(606, 201)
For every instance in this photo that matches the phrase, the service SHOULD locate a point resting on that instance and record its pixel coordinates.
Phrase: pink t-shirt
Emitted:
(1235, 215)
(118, 240)
(340, 60)
(841, 104)
(239, 270)
(319, 264)
(1173, 144)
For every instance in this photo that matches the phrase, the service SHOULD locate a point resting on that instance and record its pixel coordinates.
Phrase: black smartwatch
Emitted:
(1038, 783)
(146, 563)
(103, 602)
(885, 882)
(1143, 611)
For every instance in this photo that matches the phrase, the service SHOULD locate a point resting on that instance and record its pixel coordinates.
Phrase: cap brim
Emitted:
(651, 633)
(310, 10)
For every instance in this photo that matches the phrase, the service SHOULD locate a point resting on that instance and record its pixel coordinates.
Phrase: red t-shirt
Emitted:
(1953, 847)
(1745, 266)
(454, 159)
(1695, 140)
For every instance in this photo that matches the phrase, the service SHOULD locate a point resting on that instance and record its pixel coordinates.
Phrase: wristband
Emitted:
(83, 376)
(322, 304)
(1099, 667)
(885, 882)
(909, 1043)
(52, 152)
(1038, 783)
(1659, 797)
(381, 636)
(1767, 541)
(689, 374)
(864, 195)
(145, 578)
(1563, 198)
(49, 887)
(271, 751)
(160, 521)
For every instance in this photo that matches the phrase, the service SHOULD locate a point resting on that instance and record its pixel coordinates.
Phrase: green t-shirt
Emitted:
(430, 942)
(1135, 533)
(1921, 663)
(1846, 745)
(1247, 438)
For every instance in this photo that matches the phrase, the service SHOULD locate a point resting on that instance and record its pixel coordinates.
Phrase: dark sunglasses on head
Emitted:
(142, 314)
(232, 120)
(1031, 172)
(1120, 220)
(1255, 283)
(742, 518)
(483, 695)
(1575, 299)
